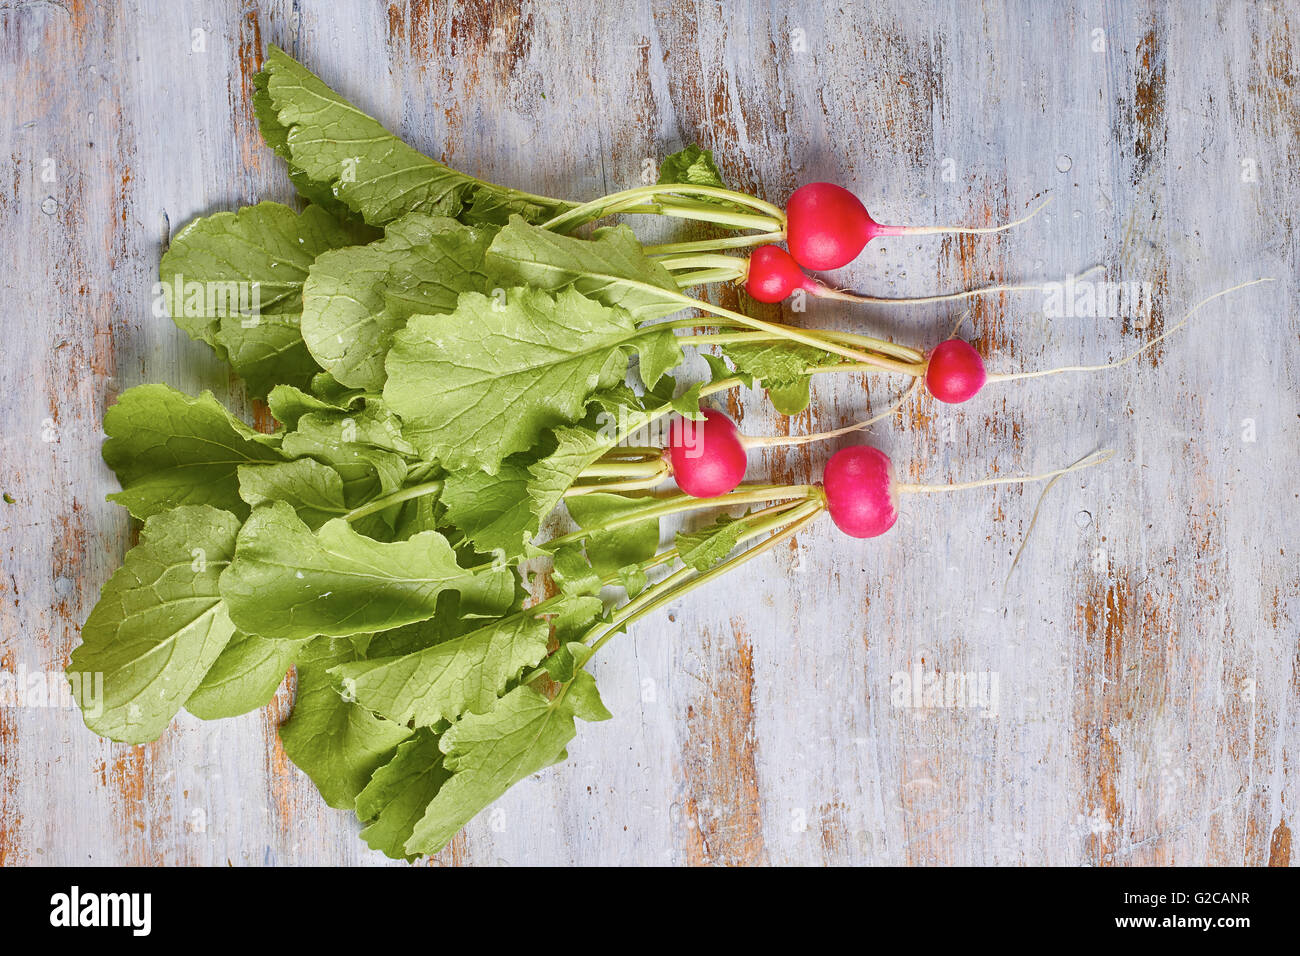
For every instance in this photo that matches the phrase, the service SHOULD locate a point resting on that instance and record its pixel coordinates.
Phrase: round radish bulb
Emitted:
(707, 457)
(860, 493)
(827, 226)
(774, 275)
(954, 372)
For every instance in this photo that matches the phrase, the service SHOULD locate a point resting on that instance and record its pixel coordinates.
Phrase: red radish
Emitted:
(774, 276)
(954, 372)
(827, 226)
(707, 456)
(862, 491)
(860, 494)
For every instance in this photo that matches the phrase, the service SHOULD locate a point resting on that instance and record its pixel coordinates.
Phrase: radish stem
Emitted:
(687, 579)
(710, 245)
(598, 208)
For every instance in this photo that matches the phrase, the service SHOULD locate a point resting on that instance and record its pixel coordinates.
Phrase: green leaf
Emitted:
(493, 511)
(400, 792)
(611, 551)
(705, 547)
(691, 165)
(485, 381)
(289, 583)
(572, 572)
(277, 137)
(781, 368)
(171, 449)
(373, 425)
(551, 476)
(370, 170)
(235, 279)
(288, 404)
(356, 298)
(441, 682)
(243, 678)
(314, 490)
(366, 471)
(488, 753)
(334, 741)
(695, 166)
(610, 267)
(791, 398)
(158, 626)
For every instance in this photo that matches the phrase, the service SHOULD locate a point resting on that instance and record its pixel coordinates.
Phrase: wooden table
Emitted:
(1145, 650)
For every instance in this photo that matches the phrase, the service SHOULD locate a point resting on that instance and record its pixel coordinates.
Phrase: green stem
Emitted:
(681, 582)
(703, 260)
(622, 469)
(711, 245)
(396, 497)
(772, 328)
(596, 208)
(721, 217)
(677, 504)
(685, 280)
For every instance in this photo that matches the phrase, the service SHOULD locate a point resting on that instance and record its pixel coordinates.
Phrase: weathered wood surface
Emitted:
(1146, 648)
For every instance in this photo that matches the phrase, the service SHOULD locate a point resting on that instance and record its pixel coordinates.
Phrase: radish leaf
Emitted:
(400, 792)
(234, 280)
(335, 742)
(485, 381)
(356, 298)
(168, 449)
(466, 673)
(243, 678)
(159, 624)
(340, 148)
(287, 582)
(488, 753)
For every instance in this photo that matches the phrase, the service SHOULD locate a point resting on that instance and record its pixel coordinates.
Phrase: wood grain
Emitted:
(1146, 650)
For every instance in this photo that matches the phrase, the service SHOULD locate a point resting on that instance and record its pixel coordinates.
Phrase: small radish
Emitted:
(774, 276)
(954, 372)
(827, 226)
(862, 491)
(861, 495)
(707, 455)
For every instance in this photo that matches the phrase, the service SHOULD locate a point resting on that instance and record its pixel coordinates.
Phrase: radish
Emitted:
(954, 372)
(862, 491)
(707, 456)
(827, 226)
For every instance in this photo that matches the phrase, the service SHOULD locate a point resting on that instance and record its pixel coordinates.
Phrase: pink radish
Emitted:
(707, 456)
(774, 276)
(827, 226)
(862, 491)
(954, 372)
